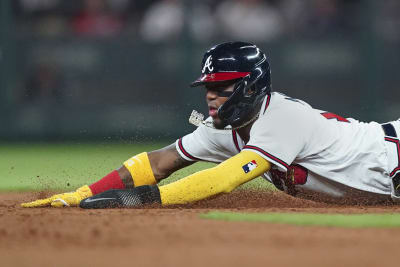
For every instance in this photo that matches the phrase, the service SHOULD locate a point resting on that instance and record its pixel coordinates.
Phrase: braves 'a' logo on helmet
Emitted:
(207, 65)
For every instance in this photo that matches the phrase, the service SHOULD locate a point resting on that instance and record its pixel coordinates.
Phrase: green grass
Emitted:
(66, 166)
(312, 219)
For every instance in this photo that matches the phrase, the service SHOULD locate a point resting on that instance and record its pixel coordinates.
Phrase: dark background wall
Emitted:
(97, 69)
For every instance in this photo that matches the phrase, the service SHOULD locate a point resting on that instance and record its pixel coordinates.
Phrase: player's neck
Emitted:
(244, 132)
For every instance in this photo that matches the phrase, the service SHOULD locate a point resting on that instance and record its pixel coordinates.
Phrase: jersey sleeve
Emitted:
(281, 133)
(206, 144)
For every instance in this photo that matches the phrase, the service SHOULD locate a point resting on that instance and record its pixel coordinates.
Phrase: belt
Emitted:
(389, 130)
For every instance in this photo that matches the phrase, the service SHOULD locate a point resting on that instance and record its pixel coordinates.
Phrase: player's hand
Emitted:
(286, 181)
(71, 199)
(295, 175)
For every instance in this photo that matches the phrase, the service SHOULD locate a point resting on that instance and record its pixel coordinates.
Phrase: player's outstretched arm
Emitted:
(142, 169)
(223, 178)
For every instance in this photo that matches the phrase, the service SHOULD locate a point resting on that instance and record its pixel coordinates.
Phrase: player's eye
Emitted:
(224, 93)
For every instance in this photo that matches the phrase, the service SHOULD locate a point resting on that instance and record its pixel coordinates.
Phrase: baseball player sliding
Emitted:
(252, 131)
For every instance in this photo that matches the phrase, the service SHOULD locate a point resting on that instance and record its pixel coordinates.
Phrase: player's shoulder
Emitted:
(280, 110)
(288, 100)
(279, 104)
(284, 114)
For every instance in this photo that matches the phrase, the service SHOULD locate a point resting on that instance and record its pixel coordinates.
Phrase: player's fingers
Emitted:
(37, 203)
(58, 203)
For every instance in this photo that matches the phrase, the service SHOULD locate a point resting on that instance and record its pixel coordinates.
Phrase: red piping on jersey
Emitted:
(184, 151)
(221, 76)
(267, 155)
(235, 141)
(267, 103)
(330, 115)
(396, 141)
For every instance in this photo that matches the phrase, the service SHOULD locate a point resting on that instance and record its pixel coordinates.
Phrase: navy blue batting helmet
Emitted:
(247, 66)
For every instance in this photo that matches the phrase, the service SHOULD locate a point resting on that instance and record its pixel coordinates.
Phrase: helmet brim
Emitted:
(218, 77)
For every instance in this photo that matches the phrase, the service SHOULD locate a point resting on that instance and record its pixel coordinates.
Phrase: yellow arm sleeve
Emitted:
(223, 178)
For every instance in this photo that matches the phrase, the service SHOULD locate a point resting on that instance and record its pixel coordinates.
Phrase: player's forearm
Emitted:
(221, 179)
(165, 161)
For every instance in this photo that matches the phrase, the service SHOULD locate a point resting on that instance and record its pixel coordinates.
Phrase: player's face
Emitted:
(216, 96)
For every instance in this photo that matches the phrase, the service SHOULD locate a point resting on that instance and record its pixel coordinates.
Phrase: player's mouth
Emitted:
(213, 112)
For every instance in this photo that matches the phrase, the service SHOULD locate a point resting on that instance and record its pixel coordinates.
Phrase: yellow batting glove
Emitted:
(71, 199)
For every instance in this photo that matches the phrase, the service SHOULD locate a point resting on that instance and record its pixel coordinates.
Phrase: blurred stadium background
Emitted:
(120, 69)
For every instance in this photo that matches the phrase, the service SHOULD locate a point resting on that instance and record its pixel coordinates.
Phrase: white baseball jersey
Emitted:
(339, 153)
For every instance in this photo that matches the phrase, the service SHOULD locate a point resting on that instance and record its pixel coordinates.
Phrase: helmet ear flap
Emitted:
(249, 84)
(242, 105)
(250, 91)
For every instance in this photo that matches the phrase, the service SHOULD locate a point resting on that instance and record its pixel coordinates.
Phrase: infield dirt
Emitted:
(49, 237)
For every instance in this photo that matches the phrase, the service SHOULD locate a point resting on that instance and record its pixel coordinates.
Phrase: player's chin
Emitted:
(218, 124)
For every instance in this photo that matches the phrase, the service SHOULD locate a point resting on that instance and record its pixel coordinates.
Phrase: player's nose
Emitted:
(211, 94)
